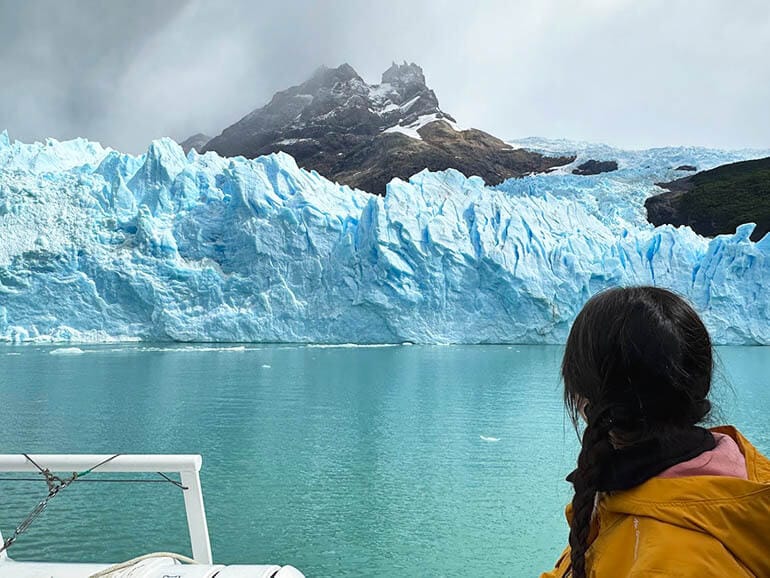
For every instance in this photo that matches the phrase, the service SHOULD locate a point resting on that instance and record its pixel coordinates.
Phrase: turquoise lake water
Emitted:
(342, 461)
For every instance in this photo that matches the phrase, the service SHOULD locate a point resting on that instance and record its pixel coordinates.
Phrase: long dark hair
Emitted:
(637, 364)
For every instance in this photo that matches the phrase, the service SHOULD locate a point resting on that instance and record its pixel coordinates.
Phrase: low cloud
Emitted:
(628, 73)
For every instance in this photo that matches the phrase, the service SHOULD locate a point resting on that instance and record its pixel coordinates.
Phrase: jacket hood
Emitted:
(734, 511)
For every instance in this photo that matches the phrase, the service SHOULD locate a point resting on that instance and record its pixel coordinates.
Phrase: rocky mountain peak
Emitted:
(365, 134)
(196, 141)
(404, 74)
(326, 78)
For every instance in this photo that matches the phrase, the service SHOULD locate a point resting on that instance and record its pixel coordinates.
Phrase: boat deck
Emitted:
(156, 565)
(155, 568)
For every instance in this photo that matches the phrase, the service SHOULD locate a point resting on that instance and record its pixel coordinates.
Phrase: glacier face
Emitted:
(96, 245)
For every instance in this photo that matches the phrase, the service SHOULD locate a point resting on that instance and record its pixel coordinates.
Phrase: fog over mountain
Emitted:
(628, 73)
(365, 135)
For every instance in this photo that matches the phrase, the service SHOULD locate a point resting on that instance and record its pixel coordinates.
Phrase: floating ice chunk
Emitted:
(67, 351)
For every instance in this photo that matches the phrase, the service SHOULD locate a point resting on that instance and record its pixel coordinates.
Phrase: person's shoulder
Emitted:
(757, 464)
(695, 566)
(638, 547)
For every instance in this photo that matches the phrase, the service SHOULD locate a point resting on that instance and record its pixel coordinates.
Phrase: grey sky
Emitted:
(628, 72)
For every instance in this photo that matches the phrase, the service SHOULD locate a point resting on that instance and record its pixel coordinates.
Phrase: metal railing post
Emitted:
(196, 517)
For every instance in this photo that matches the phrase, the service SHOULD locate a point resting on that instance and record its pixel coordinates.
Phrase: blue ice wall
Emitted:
(96, 245)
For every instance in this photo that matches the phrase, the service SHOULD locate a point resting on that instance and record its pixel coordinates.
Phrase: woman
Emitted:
(655, 494)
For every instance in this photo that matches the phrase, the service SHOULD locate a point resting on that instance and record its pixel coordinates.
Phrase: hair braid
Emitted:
(595, 452)
(641, 358)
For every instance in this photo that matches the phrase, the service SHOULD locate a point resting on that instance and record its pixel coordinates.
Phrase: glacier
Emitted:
(96, 245)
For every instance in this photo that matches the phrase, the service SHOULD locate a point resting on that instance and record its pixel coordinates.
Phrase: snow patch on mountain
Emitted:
(412, 129)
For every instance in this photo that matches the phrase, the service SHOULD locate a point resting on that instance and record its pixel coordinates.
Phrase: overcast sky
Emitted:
(633, 73)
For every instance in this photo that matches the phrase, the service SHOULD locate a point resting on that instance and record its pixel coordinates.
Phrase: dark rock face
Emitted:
(196, 141)
(690, 168)
(472, 152)
(364, 135)
(593, 167)
(715, 202)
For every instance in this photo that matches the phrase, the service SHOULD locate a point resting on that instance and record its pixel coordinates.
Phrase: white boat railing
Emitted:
(187, 466)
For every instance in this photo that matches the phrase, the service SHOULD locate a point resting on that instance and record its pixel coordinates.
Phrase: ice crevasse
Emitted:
(96, 245)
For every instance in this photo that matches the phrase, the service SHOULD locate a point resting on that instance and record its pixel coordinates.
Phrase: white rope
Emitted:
(135, 561)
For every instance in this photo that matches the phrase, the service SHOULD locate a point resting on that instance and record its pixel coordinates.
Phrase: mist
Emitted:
(627, 73)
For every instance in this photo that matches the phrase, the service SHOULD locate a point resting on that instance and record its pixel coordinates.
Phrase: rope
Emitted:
(138, 559)
(166, 480)
(171, 481)
(55, 485)
(100, 464)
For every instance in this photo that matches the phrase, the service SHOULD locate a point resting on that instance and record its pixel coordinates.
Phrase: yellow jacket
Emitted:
(698, 526)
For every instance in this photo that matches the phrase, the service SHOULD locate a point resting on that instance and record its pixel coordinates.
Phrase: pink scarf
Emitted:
(725, 459)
